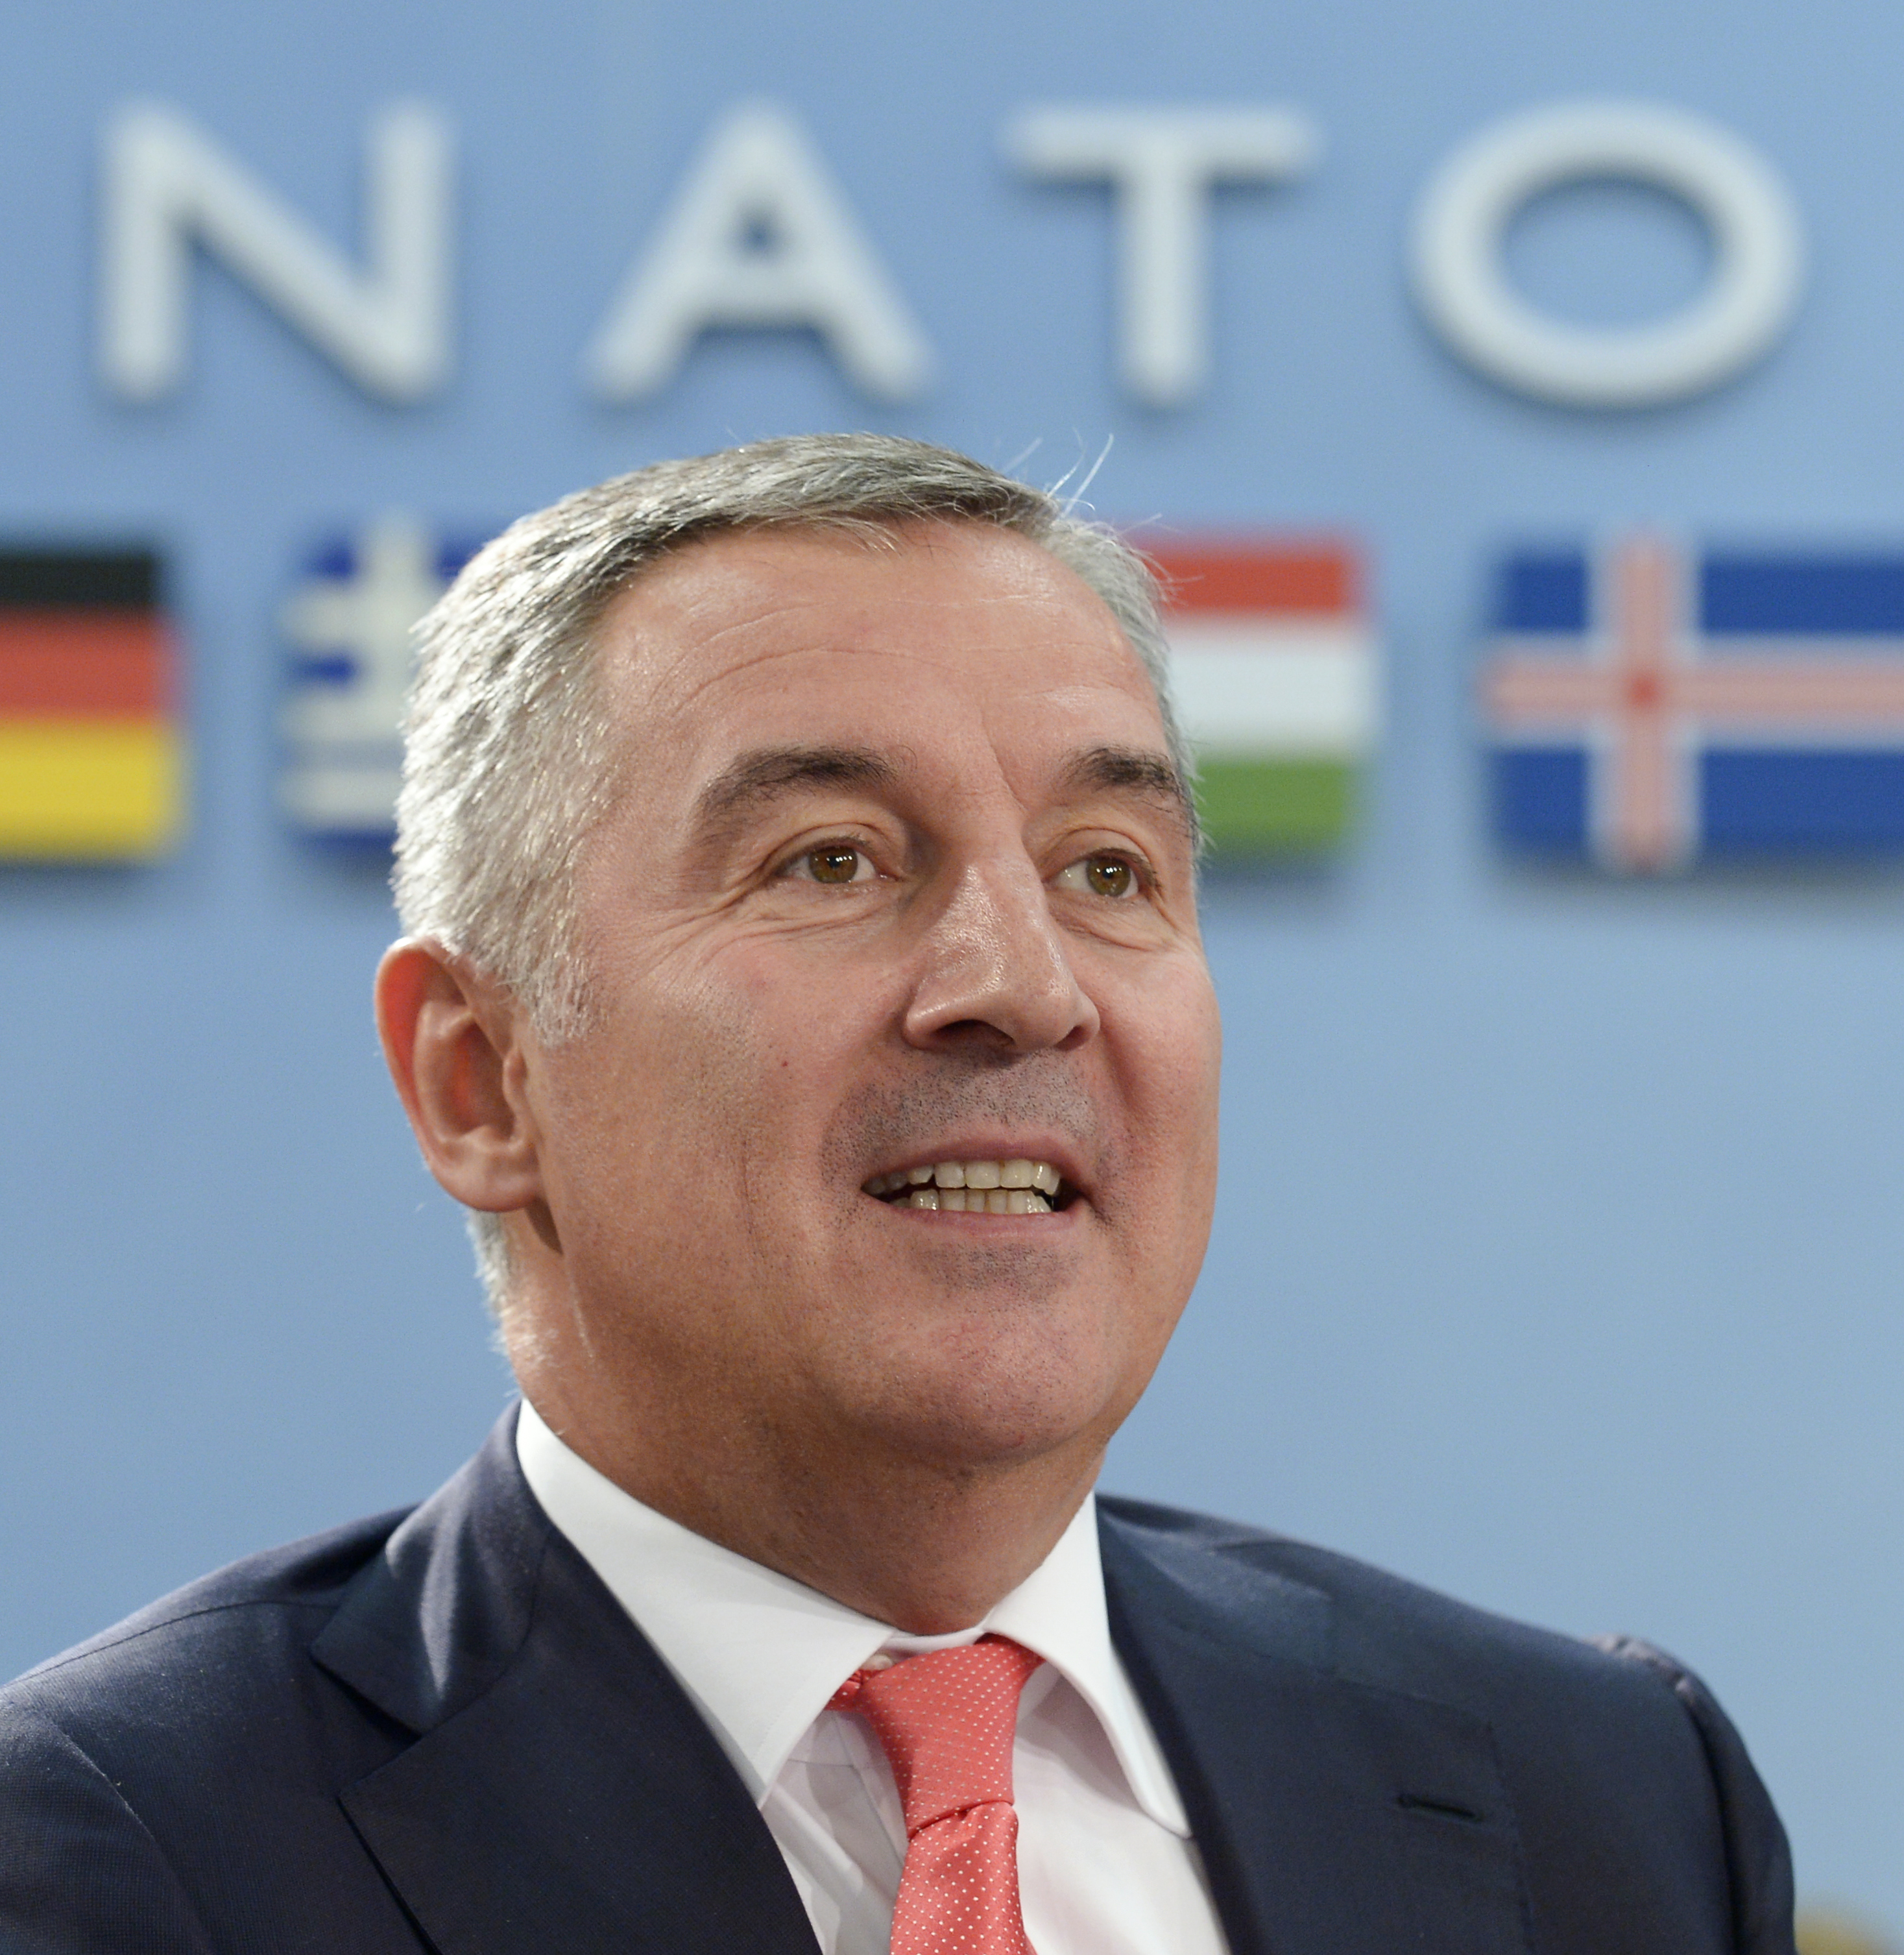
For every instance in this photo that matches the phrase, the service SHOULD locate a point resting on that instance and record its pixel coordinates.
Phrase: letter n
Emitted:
(167, 186)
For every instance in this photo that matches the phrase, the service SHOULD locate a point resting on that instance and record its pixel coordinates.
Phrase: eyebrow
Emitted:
(1127, 769)
(769, 772)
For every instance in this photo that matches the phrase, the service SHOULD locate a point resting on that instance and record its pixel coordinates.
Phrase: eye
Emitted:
(1111, 875)
(832, 862)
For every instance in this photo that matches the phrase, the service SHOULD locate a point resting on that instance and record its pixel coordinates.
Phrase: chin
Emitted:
(976, 1400)
(958, 1442)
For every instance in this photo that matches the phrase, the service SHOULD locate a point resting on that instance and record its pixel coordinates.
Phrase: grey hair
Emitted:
(508, 761)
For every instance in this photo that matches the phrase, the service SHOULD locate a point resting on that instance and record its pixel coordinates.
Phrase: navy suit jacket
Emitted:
(439, 1731)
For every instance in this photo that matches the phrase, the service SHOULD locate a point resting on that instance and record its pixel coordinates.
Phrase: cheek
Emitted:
(1170, 1062)
(1174, 1042)
(760, 1052)
(640, 1098)
(800, 1013)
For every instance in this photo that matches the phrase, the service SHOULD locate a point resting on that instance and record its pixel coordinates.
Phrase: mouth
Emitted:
(1013, 1187)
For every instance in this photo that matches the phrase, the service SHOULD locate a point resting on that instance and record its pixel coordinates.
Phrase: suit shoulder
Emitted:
(172, 1784)
(280, 1594)
(1625, 1777)
(1387, 1631)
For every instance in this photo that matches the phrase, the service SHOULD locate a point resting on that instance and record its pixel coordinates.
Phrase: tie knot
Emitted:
(946, 1721)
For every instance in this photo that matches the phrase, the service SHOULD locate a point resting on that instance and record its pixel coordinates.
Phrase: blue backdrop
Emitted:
(1558, 1254)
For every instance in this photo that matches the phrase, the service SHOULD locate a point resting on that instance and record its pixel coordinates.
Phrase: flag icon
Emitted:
(1651, 705)
(1277, 679)
(92, 765)
(350, 621)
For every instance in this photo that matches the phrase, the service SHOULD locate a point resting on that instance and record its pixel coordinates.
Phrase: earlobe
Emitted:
(453, 1044)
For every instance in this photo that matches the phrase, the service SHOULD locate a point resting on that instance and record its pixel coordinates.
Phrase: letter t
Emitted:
(1163, 164)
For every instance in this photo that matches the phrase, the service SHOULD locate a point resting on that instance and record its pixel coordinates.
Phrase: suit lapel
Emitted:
(562, 1792)
(1333, 1817)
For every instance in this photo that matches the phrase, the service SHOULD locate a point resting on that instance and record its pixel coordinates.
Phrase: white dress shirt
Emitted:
(1106, 1865)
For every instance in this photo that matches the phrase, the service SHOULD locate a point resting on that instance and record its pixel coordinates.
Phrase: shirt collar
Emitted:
(760, 1654)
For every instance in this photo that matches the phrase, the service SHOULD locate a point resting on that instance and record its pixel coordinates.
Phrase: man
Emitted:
(803, 992)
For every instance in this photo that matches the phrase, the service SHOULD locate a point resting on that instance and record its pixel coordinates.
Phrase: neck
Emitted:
(930, 1547)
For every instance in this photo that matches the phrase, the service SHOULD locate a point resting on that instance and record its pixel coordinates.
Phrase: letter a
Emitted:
(761, 236)
(168, 185)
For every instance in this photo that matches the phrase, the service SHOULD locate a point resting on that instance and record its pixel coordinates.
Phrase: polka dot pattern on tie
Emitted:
(946, 1721)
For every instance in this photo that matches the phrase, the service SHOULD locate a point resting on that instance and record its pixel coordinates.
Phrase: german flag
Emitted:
(91, 767)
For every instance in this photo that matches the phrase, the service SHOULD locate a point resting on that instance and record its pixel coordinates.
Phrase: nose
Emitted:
(998, 972)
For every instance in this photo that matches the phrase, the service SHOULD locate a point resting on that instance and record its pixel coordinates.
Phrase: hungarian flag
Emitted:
(92, 765)
(1277, 679)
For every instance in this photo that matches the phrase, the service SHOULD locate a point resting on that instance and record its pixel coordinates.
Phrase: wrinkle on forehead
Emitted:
(685, 629)
(682, 677)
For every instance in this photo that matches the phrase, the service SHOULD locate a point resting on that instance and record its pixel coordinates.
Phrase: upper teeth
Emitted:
(1017, 1187)
(1040, 1174)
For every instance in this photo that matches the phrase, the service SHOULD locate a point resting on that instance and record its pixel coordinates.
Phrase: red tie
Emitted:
(947, 1721)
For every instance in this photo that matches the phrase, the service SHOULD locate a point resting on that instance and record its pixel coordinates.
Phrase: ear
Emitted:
(454, 1044)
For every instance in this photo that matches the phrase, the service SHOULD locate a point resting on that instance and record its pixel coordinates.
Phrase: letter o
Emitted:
(1461, 223)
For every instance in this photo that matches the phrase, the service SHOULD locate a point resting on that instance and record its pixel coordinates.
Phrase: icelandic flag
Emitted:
(1276, 676)
(349, 622)
(1649, 705)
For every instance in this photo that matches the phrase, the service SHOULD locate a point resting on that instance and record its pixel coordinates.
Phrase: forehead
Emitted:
(934, 643)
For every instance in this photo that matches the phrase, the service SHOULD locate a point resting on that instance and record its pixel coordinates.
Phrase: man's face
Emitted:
(896, 878)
